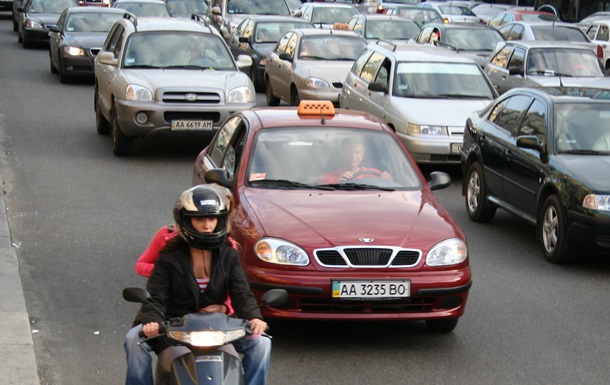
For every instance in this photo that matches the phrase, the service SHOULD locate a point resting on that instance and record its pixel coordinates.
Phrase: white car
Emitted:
(166, 76)
(599, 33)
(425, 94)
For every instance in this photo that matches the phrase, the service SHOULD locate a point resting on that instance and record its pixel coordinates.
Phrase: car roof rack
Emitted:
(131, 17)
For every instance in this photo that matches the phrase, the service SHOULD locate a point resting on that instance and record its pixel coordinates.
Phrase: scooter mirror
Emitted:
(275, 297)
(135, 294)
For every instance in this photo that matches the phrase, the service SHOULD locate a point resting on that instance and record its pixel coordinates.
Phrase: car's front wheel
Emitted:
(442, 325)
(101, 124)
(63, 77)
(552, 231)
(294, 97)
(52, 67)
(122, 145)
(477, 207)
(271, 99)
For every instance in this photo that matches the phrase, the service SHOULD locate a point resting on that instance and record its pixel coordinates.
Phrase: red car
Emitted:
(521, 15)
(329, 205)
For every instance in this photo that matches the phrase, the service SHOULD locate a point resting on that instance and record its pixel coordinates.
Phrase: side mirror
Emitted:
(219, 176)
(297, 13)
(135, 294)
(377, 87)
(244, 62)
(439, 180)
(54, 29)
(531, 142)
(243, 39)
(286, 56)
(107, 58)
(216, 11)
(515, 71)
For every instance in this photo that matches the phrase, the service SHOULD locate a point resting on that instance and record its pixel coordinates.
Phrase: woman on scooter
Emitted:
(196, 270)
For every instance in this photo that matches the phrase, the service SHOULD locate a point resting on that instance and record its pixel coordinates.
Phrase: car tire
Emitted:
(442, 325)
(101, 124)
(63, 78)
(271, 99)
(122, 145)
(19, 38)
(254, 77)
(477, 207)
(51, 66)
(552, 231)
(15, 25)
(294, 97)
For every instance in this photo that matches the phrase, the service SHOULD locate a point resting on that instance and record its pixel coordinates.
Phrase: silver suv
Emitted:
(166, 76)
(423, 92)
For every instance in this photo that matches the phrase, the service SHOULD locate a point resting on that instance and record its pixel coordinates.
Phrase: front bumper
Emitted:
(79, 65)
(160, 116)
(36, 35)
(589, 233)
(316, 94)
(434, 295)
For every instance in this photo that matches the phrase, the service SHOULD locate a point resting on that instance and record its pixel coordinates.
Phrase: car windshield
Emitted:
(481, 39)
(391, 30)
(583, 128)
(549, 32)
(330, 15)
(271, 32)
(187, 7)
(91, 22)
(331, 47)
(441, 81)
(316, 157)
(420, 16)
(144, 9)
(456, 10)
(258, 7)
(50, 6)
(563, 62)
(177, 49)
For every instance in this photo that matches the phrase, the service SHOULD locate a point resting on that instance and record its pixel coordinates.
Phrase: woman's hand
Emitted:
(151, 329)
(258, 326)
(215, 309)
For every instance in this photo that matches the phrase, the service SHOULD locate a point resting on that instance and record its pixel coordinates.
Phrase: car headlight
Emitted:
(280, 252)
(316, 83)
(241, 95)
(33, 24)
(450, 252)
(597, 202)
(74, 51)
(138, 93)
(417, 129)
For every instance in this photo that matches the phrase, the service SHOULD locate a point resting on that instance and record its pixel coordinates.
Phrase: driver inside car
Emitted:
(351, 154)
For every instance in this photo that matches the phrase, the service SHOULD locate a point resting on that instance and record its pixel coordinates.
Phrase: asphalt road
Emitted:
(80, 217)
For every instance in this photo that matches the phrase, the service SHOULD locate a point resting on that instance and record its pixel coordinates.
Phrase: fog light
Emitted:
(141, 117)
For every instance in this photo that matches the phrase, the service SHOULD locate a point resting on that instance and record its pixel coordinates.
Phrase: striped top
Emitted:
(203, 283)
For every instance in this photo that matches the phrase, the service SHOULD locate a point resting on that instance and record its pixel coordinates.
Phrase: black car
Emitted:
(37, 17)
(543, 154)
(77, 38)
(257, 35)
(477, 41)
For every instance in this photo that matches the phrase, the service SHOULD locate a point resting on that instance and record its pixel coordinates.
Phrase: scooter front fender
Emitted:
(211, 368)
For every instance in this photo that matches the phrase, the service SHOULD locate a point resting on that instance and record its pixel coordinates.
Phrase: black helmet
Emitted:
(201, 201)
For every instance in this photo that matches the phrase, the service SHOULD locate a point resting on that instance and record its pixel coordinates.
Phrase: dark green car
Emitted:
(544, 155)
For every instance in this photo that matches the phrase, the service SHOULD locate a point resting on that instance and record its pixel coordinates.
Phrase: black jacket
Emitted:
(175, 292)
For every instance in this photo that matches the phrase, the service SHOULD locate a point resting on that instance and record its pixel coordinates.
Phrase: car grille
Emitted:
(198, 97)
(367, 257)
(603, 240)
(404, 305)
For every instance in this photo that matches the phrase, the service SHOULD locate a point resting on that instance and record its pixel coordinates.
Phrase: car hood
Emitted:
(326, 219)
(330, 70)
(454, 111)
(226, 80)
(86, 40)
(587, 169)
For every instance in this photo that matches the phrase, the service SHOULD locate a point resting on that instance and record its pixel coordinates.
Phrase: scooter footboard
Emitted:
(211, 367)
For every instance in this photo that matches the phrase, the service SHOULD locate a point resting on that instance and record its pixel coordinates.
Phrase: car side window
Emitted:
(283, 43)
(292, 44)
(516, 33)
(111, 38)
(307, 13)
(222, 154)
(424, 35)
(535, 121)
(510, 115)
(501, 58)
(505, 31)
(361, 61)
(371, 67)
(383, 73)
(117, 37)
(517, 58)
(359, 26)
(592, 31)
(603, 33)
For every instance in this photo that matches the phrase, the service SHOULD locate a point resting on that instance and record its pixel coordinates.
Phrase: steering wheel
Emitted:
(368, 172)
(578, 68)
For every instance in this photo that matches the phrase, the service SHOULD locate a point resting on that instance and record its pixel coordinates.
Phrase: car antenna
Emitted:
(557, 62)
(322, 119)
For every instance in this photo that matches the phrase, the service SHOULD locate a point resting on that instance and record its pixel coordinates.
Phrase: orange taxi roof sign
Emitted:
(342, 26)
(316, 107)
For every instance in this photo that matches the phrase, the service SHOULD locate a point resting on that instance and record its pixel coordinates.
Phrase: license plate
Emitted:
(192, 125)
(456, 148)
(371, 289)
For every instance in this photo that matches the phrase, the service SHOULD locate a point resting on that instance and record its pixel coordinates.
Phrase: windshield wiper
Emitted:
(186, 67)
(314, 57)
(585, 152)
(142, 66)
(355, 186)
(288, 183)
(461, 96)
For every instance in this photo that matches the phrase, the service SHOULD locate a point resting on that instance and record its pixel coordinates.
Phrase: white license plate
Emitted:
(371, 289)
(456, 148)
(192, 125)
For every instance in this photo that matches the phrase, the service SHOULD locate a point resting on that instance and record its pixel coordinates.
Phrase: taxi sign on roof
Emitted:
(316, 107)
(341, 26)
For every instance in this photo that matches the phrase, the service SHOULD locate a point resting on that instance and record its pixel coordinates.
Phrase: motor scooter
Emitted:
(212, 359)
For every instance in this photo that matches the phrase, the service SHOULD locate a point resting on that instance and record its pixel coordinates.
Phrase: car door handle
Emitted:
(508, 154)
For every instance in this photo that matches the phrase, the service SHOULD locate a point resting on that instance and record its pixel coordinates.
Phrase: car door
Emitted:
(496, 136)
(497, 68)
(244, 29)
(55, 39)
(355, 89)
(523, 172)
(105, 73)
(279, 70)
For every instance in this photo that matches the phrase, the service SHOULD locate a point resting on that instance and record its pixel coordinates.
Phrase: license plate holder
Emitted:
(371, 289)
(192, 125)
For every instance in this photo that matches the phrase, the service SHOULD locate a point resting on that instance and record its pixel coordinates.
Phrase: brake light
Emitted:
(600, 52)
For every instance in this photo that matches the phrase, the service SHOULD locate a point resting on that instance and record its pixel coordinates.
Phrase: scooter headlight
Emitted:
(207, 338)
